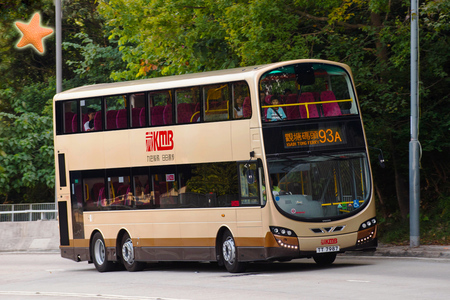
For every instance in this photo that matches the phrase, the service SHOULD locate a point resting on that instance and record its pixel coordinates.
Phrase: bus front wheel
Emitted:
(229, 254)
(324, 259)
(128, 259)
(98, 253)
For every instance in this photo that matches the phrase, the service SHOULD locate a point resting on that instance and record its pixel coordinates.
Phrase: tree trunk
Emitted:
(381, 199)
(401, 189)
(382, 54)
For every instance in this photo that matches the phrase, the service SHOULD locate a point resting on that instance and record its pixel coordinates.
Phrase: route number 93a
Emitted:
(329, 136)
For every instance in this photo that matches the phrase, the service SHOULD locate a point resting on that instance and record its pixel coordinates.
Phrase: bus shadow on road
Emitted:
(255, 268)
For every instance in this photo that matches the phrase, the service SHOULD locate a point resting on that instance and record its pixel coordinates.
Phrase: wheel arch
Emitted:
(120, 235)
(91, 238)
(219, 238)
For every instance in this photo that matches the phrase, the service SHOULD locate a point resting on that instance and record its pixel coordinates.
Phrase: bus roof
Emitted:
(175, 81)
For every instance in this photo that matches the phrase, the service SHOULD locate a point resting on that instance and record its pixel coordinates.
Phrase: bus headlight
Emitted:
(367, 231)
(285, 238)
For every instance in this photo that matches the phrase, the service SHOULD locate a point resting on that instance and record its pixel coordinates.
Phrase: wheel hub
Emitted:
(229, 250)
(128, 251)
(99, 250)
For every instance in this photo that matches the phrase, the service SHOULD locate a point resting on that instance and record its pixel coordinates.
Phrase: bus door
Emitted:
(249, 219)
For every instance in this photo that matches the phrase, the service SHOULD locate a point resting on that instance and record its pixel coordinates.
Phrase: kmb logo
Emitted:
(329, 241)
(159, 140)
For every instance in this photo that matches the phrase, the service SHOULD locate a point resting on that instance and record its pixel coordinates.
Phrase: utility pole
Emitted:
(414, 145)
(58, 64)
(58, 46)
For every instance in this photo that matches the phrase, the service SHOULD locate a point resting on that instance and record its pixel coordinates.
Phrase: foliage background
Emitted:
(113, 40)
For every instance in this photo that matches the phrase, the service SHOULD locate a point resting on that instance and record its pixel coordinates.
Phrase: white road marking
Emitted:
(82, 295)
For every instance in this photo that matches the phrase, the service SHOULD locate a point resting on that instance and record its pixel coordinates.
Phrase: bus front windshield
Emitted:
(320, 188)
(306, 91)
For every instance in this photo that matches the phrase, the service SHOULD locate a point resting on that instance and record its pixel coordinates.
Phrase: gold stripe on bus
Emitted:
(173, 242)
(80, 243)
(250, 242)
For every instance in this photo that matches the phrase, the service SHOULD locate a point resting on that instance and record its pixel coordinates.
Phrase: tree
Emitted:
(27, 153)
(174, 37)
(28, 86)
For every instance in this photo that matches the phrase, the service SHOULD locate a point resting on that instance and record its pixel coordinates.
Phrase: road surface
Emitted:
(47, 276)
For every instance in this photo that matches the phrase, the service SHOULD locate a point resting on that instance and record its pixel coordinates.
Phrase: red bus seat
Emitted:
(111, 119)
(330, 109)
(167, 114)
(157, 115)
(98, 121)
(312, 108)
(292, 112)
(121, 118)
(135, 121)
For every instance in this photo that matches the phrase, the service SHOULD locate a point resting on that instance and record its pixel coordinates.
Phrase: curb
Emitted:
(425, 251)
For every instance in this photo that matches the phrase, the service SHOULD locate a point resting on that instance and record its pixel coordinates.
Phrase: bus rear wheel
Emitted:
(128, 259)
(324, 259)
(98, 254)
(229, 254)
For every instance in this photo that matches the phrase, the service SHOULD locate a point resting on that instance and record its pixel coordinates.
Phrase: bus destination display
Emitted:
(314, 137)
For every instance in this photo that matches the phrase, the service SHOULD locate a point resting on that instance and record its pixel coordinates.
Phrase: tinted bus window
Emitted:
(70, 113)
(138, 115)
(188, 105)
(306, 91)
(119, 191)
(91, 114)
(116, 112)
(160, 104)
(95, 194)
(241, 100)
(216, 101)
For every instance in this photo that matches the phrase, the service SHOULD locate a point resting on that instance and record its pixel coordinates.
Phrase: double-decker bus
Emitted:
(263, 163)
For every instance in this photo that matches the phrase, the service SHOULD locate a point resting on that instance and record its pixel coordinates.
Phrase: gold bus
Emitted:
(263, 163)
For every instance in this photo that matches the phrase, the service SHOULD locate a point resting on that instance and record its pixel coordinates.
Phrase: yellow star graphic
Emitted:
(33, 33)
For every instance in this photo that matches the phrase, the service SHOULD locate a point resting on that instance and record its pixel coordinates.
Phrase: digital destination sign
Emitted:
(314, 137)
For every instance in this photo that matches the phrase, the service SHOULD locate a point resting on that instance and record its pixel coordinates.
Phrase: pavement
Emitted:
(423, 251)
(44, 236)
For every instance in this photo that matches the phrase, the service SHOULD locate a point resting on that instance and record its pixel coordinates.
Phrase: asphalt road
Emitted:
(47, 276)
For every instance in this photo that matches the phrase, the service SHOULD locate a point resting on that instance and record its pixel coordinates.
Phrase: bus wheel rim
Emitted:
(229, 250)
(128, 251)
(99, 251)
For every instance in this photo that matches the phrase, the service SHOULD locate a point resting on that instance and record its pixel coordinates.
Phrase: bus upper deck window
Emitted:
(187, 105)
(116, 112)
(137, 104)
(307, 91)
(70, 115)
(91, 115)
(216, 102)
(160, 104)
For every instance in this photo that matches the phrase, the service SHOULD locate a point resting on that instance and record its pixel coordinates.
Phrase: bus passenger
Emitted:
(275, 113)
(89, 125)
(238, 108)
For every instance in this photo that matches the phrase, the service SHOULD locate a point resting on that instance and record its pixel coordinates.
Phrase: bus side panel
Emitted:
(250, 238)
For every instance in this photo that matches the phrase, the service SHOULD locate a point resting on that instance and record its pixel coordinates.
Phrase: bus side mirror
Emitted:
(250, 176)
(381, 160)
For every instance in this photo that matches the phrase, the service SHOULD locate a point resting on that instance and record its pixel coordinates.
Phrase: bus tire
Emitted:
(324, 259)
(98, 253)
(229, 254)
(127, 255)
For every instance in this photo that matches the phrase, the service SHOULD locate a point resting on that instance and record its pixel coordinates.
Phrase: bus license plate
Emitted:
(327, 249)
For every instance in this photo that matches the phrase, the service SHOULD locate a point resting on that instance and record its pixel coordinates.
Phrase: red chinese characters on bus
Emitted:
(159, 140)
(329, 241)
